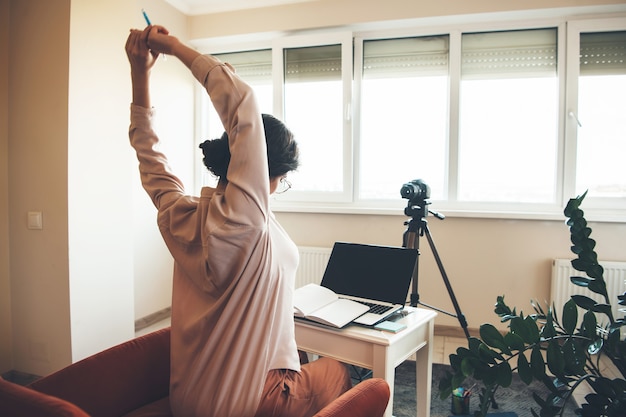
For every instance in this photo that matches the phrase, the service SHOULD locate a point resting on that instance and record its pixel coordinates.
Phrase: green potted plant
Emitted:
(562, 351)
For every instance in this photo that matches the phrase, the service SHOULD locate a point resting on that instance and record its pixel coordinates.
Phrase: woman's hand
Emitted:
(141, 59)
(160, 41)
(140, 56)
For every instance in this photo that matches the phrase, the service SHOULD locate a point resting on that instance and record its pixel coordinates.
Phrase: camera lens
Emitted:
(415, 190)
(408, 191)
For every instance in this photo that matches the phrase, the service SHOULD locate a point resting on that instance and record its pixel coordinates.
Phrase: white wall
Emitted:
(173, 99)
(115, 249)
(37, 181)
(99, 190)
(72, 284)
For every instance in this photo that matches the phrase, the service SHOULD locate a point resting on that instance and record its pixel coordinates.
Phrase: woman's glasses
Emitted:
(283, 186)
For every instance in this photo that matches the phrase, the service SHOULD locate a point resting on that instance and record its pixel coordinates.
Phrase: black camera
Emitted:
(418, 194)
(415, 190)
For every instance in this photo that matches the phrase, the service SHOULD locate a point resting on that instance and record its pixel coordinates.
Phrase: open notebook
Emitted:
(367, 284)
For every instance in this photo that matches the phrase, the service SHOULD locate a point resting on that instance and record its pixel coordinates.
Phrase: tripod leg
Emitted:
(412, 242)
(446, 281)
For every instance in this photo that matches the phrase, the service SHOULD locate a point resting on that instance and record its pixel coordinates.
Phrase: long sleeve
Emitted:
(248, 176)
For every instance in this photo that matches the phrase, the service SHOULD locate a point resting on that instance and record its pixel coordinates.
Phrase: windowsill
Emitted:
(603, 216)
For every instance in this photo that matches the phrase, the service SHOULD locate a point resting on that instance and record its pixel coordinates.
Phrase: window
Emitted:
(314, 112)
(601, 131)
(404, 107)
(508, 127)
(506, 121)
(312, 94)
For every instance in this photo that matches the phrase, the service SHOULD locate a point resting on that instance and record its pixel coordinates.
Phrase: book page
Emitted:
(309, 298)
(339, 313)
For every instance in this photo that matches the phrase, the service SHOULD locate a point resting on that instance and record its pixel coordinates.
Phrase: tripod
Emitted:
(418, 226)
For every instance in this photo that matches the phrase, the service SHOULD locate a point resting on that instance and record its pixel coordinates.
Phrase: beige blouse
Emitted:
(234, 272)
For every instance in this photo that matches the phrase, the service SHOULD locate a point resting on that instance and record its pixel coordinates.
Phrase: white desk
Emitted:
(379, 351)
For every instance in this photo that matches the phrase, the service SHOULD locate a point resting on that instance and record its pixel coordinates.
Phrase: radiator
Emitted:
(312, 265)
(562, 288)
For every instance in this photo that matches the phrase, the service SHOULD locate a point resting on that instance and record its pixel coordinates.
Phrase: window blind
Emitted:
(319, 63)
(524, 53)
(603, 53)
(252, 66)
(405, 57)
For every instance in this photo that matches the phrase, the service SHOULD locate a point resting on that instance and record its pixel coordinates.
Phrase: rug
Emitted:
(515, 399)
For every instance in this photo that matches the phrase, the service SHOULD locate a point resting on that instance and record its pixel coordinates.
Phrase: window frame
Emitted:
(352, 47)
(343, 38)
(599, 207)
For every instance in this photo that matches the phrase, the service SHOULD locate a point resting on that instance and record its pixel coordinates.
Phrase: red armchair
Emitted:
(132, 380)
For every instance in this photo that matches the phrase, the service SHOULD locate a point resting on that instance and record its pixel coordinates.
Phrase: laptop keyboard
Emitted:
(376, 308)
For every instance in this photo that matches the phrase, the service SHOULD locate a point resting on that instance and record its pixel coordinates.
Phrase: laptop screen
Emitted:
(381, 273)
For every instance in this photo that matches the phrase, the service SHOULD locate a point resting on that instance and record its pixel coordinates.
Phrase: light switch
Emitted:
(35, 221)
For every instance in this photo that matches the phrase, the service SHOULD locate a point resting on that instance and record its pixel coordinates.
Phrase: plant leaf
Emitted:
(583, 301)
(589, 324)
(570, 316)
(504, 374)
(492, 337)
(537, 365)
(473, 343)
(598, 285)
(603, 388)
(595, 270)
(501, 308)
(519, 328)
(488, 355)
(467, 368)
(622, 299)
(548, 328)
(580, 281)
(523, 369)
(489, 375)
(573, 204)
(533, 330)
(603, 308)
(574, 356)
(555, 359)
(514, 341)
(613, 340)
(455, 362)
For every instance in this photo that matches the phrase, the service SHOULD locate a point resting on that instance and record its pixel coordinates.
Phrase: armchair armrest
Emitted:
(366, 399)
(117, 380)
(19, 401)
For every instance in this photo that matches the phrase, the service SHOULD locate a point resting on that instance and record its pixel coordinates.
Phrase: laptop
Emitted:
(378, 276)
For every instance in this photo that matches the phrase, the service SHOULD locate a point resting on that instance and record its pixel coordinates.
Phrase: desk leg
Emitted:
(423, 374)
(388, 373)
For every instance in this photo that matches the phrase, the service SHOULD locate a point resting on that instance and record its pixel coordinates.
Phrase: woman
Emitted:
(233, 346)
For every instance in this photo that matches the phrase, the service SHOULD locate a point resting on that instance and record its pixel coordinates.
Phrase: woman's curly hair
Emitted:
(282, 150)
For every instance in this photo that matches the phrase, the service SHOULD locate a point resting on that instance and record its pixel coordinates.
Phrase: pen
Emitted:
(145, 16)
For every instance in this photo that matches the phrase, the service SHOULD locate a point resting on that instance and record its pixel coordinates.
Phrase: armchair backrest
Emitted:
(117, 380)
